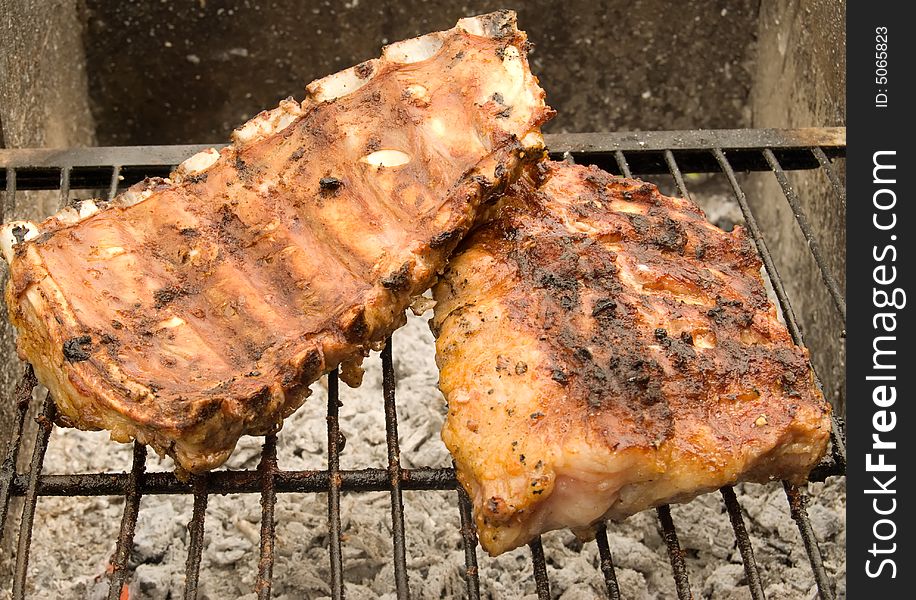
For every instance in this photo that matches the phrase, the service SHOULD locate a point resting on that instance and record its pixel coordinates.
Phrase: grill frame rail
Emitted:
(670, 153)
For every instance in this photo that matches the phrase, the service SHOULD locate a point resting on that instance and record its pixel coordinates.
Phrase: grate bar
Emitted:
(267, 468)
(622, 163)
(469, 541)
(196, 539)
(698, 139)
(9, 200)
(676, 174)
(675, 554)
(45, 425)
(801, 217)
(830, 138)
(827, 166)
(797, 506)
(751, 222)
(541, 581)
(394, 474)
(238, 482)
(23, 397)
(644, 149)
(335, 445)
(65, 186)
(128, 524)
(115, 179)
(744, 543)
(607, 562)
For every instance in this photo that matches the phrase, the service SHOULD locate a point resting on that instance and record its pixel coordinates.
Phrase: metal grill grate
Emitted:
(640, 154)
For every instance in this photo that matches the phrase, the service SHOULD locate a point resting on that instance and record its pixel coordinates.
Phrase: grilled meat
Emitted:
(604, 349)
(194, 310)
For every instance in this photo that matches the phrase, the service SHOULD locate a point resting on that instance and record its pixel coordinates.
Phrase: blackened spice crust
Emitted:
(329, 184)
(167, 295)
(584, 291)
(399, 279)
(445, 238)
(77, 349)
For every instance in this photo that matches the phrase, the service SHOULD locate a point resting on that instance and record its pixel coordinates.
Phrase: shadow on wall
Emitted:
(183, 72)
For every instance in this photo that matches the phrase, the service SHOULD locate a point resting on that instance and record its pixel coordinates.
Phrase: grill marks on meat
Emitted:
(652, 358)
(232, 288)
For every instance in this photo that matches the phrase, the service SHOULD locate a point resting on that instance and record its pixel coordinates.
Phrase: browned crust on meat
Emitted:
(596, 325)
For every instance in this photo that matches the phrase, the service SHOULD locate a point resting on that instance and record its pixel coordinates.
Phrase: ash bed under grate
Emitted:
(672, 154)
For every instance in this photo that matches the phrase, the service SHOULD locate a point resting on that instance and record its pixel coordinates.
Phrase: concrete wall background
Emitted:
(44, 101)
(43, 85)
(191, 71)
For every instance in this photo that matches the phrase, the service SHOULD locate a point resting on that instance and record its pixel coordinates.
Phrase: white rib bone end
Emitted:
(490, 25)
(195, 165)
(268, 122)
(413, 50)
(16, 232)
(343, 82)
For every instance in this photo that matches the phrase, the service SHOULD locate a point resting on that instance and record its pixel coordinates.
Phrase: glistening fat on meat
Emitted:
(193, 310)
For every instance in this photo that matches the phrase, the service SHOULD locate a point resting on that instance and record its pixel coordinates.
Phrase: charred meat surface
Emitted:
(604, 349)
(193, 310)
